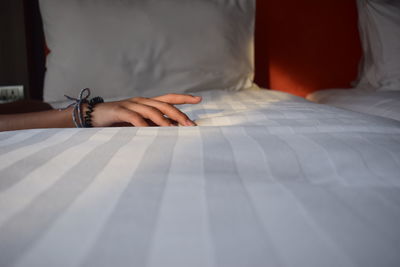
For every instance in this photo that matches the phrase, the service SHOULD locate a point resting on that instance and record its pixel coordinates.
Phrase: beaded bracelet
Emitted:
(92, 103)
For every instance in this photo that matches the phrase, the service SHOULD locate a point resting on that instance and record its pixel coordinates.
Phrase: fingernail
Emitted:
(190, 123)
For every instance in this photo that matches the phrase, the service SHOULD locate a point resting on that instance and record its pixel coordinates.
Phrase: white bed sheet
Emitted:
(380, 103)
(267, 179)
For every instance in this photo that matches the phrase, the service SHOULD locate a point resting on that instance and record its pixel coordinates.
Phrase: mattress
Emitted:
(379, 103)
(267, 179)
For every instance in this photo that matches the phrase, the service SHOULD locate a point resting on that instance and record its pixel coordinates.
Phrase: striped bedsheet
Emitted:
(267, 179)
(379, 103)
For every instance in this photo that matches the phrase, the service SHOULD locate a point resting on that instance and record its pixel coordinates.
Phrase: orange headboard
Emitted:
(308, 45)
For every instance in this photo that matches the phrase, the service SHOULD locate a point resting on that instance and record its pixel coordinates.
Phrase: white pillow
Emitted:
(124, 48)
(380, 37)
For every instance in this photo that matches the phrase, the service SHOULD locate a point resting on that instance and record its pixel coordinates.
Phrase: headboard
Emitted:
(301, 46)
(308, 45)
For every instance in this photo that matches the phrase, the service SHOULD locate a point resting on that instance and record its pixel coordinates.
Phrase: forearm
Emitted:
(35, 120)
(159, 111)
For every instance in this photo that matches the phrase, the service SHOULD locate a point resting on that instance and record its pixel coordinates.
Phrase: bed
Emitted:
(266, 179)
(380, 103)
(376, 90)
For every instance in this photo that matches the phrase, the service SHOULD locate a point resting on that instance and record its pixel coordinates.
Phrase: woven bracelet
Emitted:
(77, 106)
(77, 115)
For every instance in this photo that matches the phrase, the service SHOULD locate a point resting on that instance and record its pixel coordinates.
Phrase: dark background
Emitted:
(22, 46)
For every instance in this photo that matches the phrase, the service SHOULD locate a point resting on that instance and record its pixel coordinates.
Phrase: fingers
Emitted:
(178, 99)
(149, 112)
(144, 111)
(170, 111)
(126, 115)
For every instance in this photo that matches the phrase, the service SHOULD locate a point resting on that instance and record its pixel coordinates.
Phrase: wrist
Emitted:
(83, 108)
(95, 116)
(89, 112)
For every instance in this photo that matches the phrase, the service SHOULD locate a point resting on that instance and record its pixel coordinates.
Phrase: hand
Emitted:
(139, 111)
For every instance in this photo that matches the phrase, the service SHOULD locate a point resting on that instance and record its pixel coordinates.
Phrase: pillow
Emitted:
(380, 36)
(125, 48)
